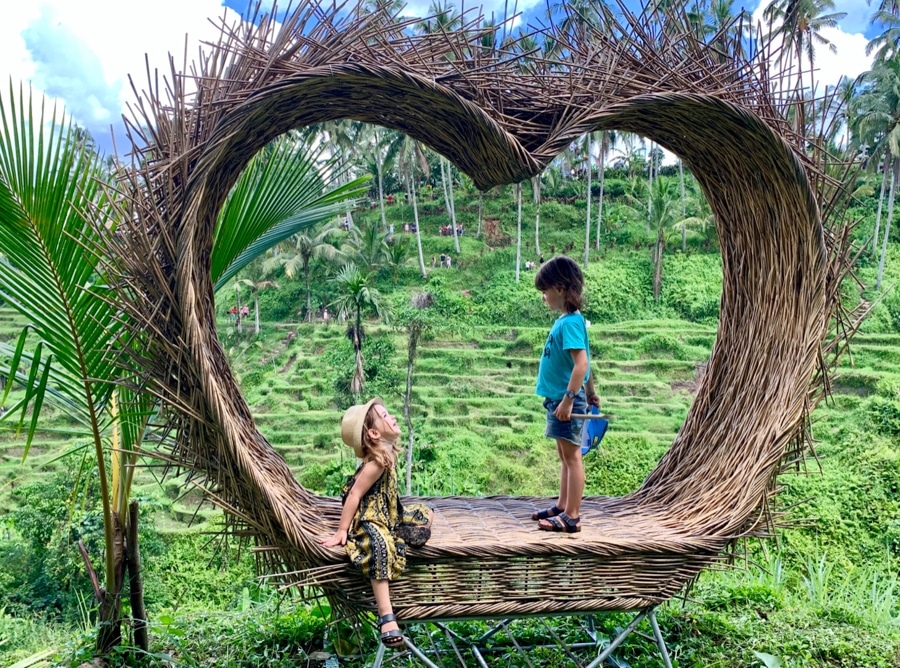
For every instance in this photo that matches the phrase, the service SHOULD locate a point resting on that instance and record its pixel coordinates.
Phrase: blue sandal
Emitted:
(393, 638)
(562, 523)
(546, 514)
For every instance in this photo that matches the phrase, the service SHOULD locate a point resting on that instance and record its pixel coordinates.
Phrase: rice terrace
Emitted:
(284, 383)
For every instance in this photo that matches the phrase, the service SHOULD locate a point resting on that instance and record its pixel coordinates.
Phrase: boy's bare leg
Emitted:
(563, 478)
(573, 466)
(382, 591)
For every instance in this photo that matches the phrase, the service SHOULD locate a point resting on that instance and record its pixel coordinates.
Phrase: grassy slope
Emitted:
(480, 431)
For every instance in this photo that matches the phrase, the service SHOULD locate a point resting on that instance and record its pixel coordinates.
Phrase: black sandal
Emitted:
(562, 523)
(546, 514)
(393, 638)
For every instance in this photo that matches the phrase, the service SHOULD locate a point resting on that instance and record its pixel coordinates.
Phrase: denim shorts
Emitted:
(567, 431)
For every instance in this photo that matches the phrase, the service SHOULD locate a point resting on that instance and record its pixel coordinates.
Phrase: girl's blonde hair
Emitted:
(372, 449)
(564, 272)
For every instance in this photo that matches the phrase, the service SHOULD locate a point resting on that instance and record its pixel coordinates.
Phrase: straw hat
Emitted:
(354, 422)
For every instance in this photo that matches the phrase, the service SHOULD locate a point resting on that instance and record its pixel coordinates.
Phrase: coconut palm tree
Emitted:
(397, 254)
(878, 124)
(447, 186)
(255, 286)
(660, 211)
(442, 17)
(518, 230)
(887, 43)
(587, 223)
(366, 247)
(55, 214)
(536, 193)
(800, 22)
(356, 297)
(410, 159)
(303, 249)
(607, 138)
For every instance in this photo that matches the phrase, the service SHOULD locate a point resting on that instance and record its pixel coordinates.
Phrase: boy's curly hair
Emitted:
(564, 272)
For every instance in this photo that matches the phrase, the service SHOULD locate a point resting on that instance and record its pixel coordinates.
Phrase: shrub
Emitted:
(692, 285)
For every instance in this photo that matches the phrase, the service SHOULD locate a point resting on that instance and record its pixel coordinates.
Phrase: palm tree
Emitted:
(878, 123)
(518, 230)
(53, 275)
(447, 186)
(410, 157)
(887, 42)
(49, 180)
(396, 254)
(607, 137)
(536, 193)
(367, 246)
(800, 25)
(587, 223)
(280, 193)
(356, 297)
(442, 17)
(306, 247)
(660, 214)
(417, 319)
(255, 286)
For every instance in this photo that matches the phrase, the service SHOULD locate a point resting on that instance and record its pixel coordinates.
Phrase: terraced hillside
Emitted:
(479, 426)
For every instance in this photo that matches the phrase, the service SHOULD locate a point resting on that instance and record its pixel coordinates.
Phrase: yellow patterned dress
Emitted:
(373, 543)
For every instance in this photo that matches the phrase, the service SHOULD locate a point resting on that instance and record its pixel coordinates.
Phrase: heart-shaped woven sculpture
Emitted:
(500, 120)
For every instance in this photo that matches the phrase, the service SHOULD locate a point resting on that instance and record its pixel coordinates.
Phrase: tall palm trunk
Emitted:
(604, 147)
(895, 174)
(518, 230)
(657, 265)
(358, 382)
(536, 192)
(886, 169)
(650, 189)
(480, 213)
(240, 325)
(587, 222)
(309, 313)
(410, 360)
(256, 311)
(683, 211)
(380, 192)
(447, 183)
(411, 191)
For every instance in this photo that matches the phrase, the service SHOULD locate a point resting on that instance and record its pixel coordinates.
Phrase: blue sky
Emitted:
(81, 52)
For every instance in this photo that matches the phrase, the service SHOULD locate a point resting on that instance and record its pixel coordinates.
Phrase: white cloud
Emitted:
(82, 52)
(849, 58)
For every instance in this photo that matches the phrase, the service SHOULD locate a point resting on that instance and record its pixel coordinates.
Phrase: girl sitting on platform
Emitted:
(374, 526)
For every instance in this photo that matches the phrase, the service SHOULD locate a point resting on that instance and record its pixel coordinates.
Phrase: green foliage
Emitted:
(660, 346)
(619, 290)
(692, 285)
(502, 301)
(383, 376)
(41, 570)
(192, 573)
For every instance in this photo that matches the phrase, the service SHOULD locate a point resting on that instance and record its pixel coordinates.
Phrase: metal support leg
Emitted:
(379, 657)
(619, 639)
(418, 653)
(659, 639)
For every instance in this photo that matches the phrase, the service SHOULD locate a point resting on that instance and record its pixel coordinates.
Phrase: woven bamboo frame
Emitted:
(500, 120)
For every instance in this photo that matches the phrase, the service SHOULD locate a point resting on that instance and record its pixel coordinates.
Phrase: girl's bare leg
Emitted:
(382, 591)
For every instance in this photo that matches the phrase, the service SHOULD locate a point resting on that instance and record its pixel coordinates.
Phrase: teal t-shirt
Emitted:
(555, 370)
